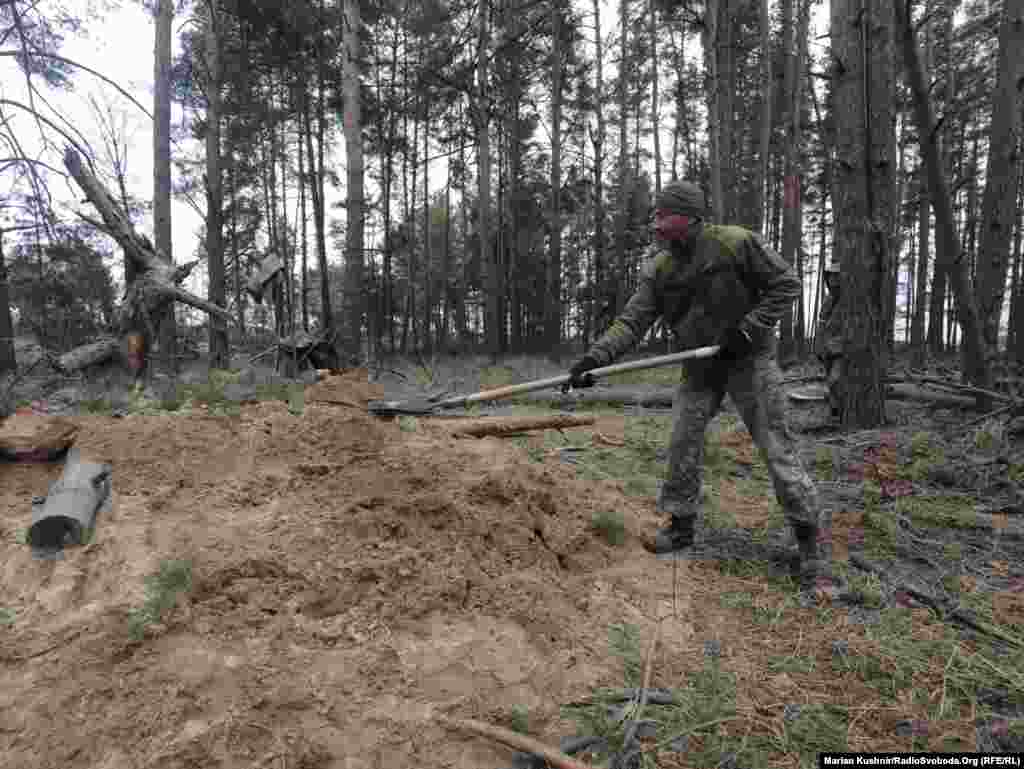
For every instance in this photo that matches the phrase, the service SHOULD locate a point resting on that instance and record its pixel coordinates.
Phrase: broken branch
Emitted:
(555, 758)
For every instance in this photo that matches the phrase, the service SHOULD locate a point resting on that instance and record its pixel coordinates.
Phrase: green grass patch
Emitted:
(736, 600)
(865, 589)
(964, 674)
(498, 376)
(95, 407)
(925, 454)
(624, 643)
(162, 591)
(610, 525)
(408, 424)
(951, 512)
(816, 729)
(769, 615)
(519, 719)
(636, 462)
(7, 617)
(880, 532)
(791, 664)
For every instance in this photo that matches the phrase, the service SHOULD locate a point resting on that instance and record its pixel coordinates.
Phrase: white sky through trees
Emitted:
(118, 42)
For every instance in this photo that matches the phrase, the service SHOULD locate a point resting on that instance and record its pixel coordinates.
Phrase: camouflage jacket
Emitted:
(724, 276)
(828, 341)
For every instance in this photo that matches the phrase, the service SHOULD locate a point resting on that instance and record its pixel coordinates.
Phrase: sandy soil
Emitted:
(349, 580)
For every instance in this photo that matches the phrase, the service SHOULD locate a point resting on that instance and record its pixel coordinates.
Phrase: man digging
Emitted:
(716, 284)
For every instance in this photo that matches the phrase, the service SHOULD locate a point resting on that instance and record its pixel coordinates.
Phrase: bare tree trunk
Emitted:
(728, 144)
(998, 208)
(219, 352)
(712, 88)
(352, 337)
(553, 306)
(164, 13)
(462, 287)
(1015, 343)
(625, 173)
(598, 289)
(446, 257)
(974, 366)
(236, 258)
(767, 86)
(319, 206)
(862, 33)
(287, 256)
(488, 259)
(791, 182)
(428, 293)
(302, 221)
(7, 359)
(655, 122)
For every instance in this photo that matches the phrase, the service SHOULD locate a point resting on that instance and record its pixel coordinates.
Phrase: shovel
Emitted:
(427, 407)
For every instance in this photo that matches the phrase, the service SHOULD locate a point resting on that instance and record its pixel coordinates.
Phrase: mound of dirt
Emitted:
(348, 579)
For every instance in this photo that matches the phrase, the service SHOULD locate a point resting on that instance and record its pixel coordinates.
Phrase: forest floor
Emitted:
(292, 583)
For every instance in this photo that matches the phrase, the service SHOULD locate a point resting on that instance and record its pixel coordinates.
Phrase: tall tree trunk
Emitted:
(712, 87)
(1015, 343)
(999, 206)
(553, 306)
(791, 188)
(219, 352)
(974, 364)
(462, 285)
(319, 206)
(896, 247)
(767, 86)
(861, 38)
(598, 289)
(428, 288)
(446, 256)
(725, 93)
(489, 262)
(7, 360)
(655, 122)
(162, 167)
(625, 175)
(287, 255)
(352, 336)
(236, 258)
(302, 221)
(924, 225)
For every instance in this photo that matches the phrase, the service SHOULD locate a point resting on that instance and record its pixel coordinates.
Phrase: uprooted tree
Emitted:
(156, 285)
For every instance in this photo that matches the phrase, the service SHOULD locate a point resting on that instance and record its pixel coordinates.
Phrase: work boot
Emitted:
(678, 535)
(810, 565)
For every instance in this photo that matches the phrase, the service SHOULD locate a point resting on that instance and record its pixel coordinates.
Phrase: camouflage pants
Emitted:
(833, 378)
(755, 386)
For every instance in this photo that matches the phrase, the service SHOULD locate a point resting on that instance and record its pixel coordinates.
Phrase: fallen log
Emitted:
(509, 425)
(521, 742)
(68, 513)
(88, 355)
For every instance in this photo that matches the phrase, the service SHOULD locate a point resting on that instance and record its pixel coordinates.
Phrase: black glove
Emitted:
(735, 343)
(578, 376)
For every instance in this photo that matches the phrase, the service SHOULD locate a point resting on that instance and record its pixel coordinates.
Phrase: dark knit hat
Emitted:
(682, 197)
